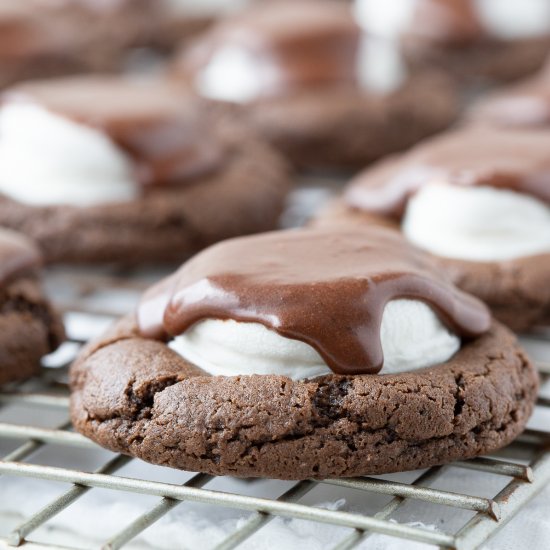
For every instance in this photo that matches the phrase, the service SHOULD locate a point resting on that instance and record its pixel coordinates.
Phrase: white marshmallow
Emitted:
(46, 159)
(385, 19)
(515, 18)
(412, 337)
(380, 66)
(233, 74)
(503, 18)
(477, 223)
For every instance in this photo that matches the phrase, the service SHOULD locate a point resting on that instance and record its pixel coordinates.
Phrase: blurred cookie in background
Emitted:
(113, 169)
(305, 76)
(525, 104)
(45, 38)
(29, 326)
(478, 200)
(476, 41)
(182, 20)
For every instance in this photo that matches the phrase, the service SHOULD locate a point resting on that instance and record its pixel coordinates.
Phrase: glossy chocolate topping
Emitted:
(156, 123)
(327, 288)
(517, 160)
(295, 44)
(446, 21)
(527, 105)
(17, 255)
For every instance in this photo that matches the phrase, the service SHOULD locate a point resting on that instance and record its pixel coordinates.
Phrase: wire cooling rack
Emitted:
(525, 465)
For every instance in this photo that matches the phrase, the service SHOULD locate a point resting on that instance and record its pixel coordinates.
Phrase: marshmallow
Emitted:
(46, 159)
(477, 223)
(412, 337)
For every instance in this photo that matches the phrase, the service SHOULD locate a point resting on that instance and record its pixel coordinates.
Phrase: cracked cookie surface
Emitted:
(138, 397)
(29, 329)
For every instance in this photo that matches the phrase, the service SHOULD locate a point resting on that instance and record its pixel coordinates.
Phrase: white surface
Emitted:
(477, 223)
(47, 159)
(186, 528)
(412, 337)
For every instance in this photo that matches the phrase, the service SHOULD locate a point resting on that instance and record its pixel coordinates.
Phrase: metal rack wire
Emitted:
(490, 514)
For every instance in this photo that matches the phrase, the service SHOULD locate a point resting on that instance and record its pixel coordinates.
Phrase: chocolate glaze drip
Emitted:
(514, 160)
(17, 255)
(156, 123)
(327, 288)
(295, 44)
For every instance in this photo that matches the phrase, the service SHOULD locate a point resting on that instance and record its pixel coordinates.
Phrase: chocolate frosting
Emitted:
(295, 44)
(516, 160)
(327, 288)
(157, 123)
(17, 255)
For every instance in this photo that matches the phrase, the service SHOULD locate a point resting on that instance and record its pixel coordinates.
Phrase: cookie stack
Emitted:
(378, 338)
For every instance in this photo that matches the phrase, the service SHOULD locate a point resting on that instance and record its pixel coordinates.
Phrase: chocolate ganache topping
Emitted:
(516, 160)
(294, 44)
(327, 288)
(17, 255)
(157, 123)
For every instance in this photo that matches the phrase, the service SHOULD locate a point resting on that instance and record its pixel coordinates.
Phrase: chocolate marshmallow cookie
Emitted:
(305, 76)
(45, 38)
(107, 169)
(478, 199)
(29, 327)
(477, 41)
(304, 353)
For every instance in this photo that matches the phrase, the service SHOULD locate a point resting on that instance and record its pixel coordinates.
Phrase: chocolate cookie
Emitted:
(136, 396)
(46, 39)
(505, 165)
(134, 391)
(130, 171)
(311, 92)
(476, 41)
(30, 328)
